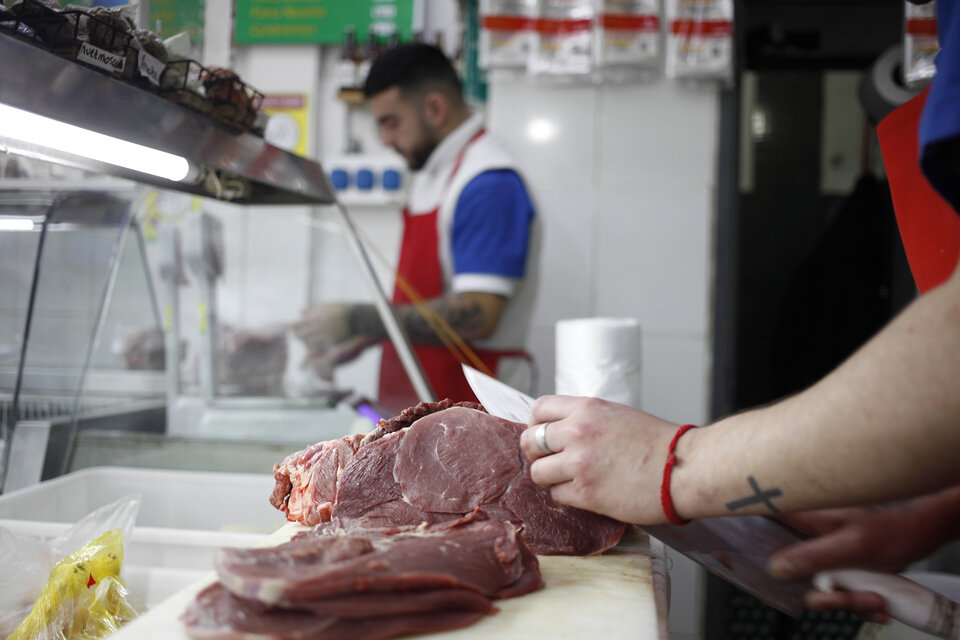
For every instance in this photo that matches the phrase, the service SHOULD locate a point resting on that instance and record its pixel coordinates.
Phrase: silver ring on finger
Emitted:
(540, 436)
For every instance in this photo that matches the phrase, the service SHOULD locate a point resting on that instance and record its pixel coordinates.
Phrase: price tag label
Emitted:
(151, 68)
(100, 58)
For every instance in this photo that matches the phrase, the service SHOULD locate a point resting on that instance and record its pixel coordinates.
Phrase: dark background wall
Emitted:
(803, 277)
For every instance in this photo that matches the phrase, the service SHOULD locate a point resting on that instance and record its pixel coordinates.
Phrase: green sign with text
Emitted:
(320, 21)
(175, 16)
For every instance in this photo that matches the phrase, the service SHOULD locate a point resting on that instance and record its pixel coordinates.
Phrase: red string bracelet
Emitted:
(665, 499)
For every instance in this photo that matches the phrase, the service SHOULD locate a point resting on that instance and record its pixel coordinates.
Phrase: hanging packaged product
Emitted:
(506, 34)
(627, 39)
(563, 39)
(346, 72)
(920, 44)
(700, 39)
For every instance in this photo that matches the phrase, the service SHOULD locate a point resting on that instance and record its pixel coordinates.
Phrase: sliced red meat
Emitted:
(485, 556)
(218, 614)
(410, 415)
(368, 496)
(257, 572)
(551, 528)
(455, 460)
(381, 604)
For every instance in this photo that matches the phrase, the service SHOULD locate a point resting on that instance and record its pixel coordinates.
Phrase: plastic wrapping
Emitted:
(627, 43)
(920, 44)
(600, 358)
(563, 39)
(700, 39)
(68, 587)
(506, 36)
(83, 598)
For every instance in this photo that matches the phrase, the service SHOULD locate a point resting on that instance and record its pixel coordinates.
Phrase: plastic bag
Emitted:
(69, 586)
(84, 598)
(700, 39)
(920, 44)
(506, 36)
(627, 43)
(563, 39)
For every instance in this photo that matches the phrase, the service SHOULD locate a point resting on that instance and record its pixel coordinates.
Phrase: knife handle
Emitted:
(907, 601)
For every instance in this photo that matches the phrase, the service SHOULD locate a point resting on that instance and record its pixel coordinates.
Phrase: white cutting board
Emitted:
(619, 595)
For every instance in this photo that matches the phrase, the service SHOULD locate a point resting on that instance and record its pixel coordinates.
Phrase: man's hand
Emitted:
(882, 538)
(324, 362)
(331, 336)
(608, 457)
(323, 326)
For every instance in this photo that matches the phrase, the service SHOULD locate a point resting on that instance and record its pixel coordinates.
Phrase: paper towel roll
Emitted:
(600, 358)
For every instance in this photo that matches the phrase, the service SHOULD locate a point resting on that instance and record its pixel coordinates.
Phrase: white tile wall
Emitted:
(654, 257)
(662, 133)
(626, 191)
(674, 368)
(551, 130)
(567, 259)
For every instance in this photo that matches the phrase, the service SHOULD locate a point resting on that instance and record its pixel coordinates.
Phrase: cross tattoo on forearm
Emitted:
(757, 497)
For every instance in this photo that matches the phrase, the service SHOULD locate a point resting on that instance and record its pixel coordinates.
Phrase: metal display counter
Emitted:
(103, 293)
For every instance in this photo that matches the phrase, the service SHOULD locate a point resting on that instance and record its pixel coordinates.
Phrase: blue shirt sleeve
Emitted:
(940, 123)
(491, 225)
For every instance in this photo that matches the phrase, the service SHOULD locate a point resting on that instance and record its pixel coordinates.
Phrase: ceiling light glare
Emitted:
(541, 130)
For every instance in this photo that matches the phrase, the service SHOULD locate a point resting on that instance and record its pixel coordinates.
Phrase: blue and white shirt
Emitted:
(488, 230)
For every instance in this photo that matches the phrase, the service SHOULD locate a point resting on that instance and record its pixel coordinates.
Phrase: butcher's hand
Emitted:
(325, 361)
(323, 326)
(881, 538)
(608, 457)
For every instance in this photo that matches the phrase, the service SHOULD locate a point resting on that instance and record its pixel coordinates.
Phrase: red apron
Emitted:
(420, 265)
(929, 227)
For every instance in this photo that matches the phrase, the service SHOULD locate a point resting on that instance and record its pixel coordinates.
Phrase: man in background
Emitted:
(470, 238)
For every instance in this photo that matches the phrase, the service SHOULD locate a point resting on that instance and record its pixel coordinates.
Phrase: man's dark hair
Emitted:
(415, 69)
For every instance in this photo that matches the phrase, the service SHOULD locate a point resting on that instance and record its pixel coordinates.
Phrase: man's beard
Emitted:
(420, 154)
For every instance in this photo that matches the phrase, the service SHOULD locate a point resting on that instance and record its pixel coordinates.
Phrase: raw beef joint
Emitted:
(432, 463)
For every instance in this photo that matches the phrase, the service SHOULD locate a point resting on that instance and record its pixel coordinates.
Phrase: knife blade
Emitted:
(736, 548)
(498, 398)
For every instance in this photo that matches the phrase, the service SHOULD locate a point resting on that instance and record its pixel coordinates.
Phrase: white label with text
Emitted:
(151, 67)
(100, 58)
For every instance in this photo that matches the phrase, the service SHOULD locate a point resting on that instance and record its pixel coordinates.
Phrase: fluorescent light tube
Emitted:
(23, 126)
(16, 224)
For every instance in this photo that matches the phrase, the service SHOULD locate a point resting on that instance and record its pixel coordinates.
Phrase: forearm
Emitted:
(884, 425)
(472, 316)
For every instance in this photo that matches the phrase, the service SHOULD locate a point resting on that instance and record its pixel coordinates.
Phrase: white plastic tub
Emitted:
(184, 517)
(192, 500)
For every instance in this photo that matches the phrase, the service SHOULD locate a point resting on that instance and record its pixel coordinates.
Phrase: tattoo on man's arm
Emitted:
(758, 496)
(460, 313)
(364, 320)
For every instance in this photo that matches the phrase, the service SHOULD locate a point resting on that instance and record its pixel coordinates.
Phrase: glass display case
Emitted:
(148, 322)
(74, 288)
